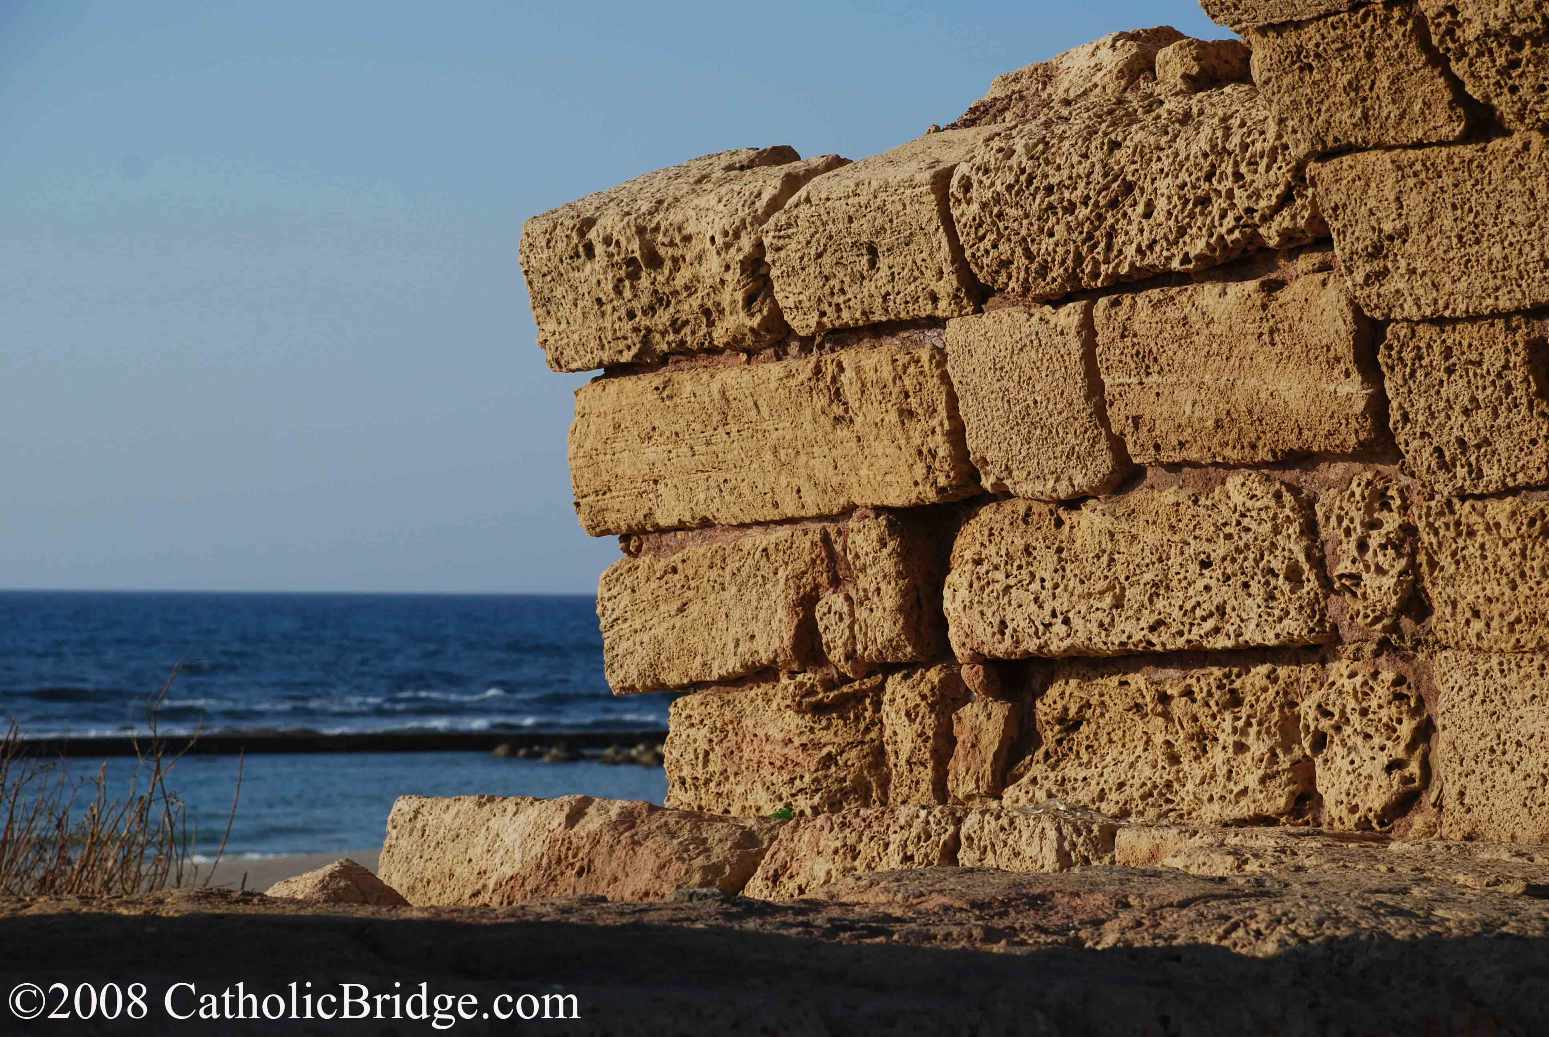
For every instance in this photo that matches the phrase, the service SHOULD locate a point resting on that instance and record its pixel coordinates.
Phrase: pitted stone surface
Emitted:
(1116, 64)
(1441, 232)
(1486, 573)
(854, 595)
(917, 732)
(1369, 549)
(1500, 50)
(1470, 402)
(1213, 741)
(1493, 723)
(1031, 403)
(1366, 730)
(1240, 15)
(494, 851)
(1154, 570)
(984, 731)
(812, 852)
(873, 242)
(670, 262)
(1101, 193)
(801, 743)
(1361, 79)
(1191, 66)
(1036, 840)
(732, 445)
(1238, 371)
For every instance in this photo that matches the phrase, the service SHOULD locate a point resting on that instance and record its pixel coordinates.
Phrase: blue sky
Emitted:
(263, 324)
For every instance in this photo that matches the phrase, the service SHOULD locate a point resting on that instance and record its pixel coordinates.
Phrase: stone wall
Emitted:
(1168, 436)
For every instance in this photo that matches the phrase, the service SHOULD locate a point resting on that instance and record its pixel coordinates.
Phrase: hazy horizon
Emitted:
(266, 328)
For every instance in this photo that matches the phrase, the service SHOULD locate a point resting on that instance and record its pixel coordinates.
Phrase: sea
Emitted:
(92, 664)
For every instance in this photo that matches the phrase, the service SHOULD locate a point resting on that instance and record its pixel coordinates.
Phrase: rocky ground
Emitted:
(1236, 941)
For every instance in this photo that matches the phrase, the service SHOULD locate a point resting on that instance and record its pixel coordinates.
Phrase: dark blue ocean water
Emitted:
(86, 663)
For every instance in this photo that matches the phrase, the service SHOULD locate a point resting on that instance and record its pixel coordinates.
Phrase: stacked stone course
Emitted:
(1167, 438)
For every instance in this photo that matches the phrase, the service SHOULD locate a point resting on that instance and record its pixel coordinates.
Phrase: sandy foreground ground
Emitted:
(259, 873)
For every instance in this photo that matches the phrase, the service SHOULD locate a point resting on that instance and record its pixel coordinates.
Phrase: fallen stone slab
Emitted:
(872, 425)
(1434, 232)
(493, 851)
(1244, 370)
(1154, 570)
(670, 262)
(1500, 50)
(342, 882)
(810, 853)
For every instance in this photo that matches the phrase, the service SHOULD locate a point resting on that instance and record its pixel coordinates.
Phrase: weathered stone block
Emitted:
(747, 443)
(1367, 732)
(799, 743)
(1470, 402)
(1116, 64)
(1492, 721)
(984, 732)
(1031, 403)
(917, 732)
(1369, 551)
(1241, 15)
(812, 852)
(1217, 742)
(854, 595)
(1238, 371)
(1441, 232)
(1486, 570)
(873, 242)
(1102, 193)
(1151, 571)
(1500, 49)
(1363, 79)
(670, 262)
(1191, 66)
(493, 851)
(1039, 839)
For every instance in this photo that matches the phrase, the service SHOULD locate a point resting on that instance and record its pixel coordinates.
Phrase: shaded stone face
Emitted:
(1164, 184)
(1361, 79)
(803, 438)
(1470, 402)
(1240, 15)
(1151, 571)
(1486, 573)
(1239, 371)
(1492, 723)
(1030, 402)
(1500, 50)
(1441, 232)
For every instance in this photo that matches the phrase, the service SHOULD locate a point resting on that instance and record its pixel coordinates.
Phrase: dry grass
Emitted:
(62, 835)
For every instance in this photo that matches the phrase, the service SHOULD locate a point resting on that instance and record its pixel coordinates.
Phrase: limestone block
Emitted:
(1241, 15)
(801, 743)
(917, 732)
(1361, 79)
(1039, 839)
(1116, 64)
(1500, 50)
(1369, 551)
(1367, 732)
(1154, 570)
(1191, 66)
(1470, 402)
(1492, 721)
(1238, 371)
(812, 852)
(493, 851)
(1213, 742)
(670, 262)
(1486, 570)
(746, 443)
(1441, 232)
(1030, 402)
(984, 731)
(1101, 193)
(342, 882)
(873, 242)
(855, 595)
